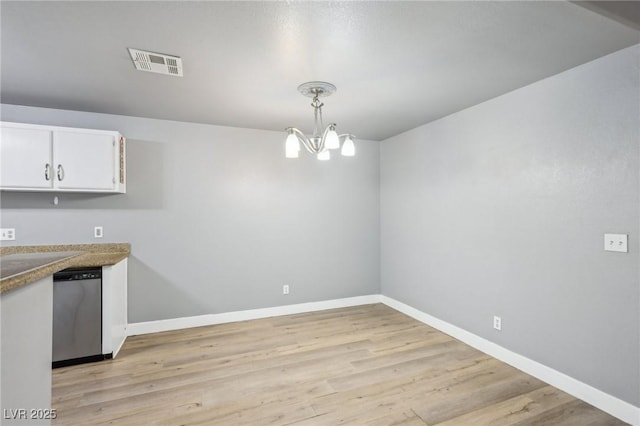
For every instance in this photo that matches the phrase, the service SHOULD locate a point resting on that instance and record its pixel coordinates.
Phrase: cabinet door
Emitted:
(114, 307)
(84, 161)
(25, 158)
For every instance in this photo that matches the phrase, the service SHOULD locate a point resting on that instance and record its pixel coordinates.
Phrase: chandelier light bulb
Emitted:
(324, 155)
(292, 146)
(348, 147)
(332, 141)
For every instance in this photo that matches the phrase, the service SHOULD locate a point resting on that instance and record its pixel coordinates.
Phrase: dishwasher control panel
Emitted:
(78, 274)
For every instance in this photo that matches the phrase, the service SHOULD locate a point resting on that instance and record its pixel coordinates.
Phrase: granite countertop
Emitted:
(20, 265)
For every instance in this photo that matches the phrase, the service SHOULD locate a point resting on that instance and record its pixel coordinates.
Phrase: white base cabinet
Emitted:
(114, 307)
(25, 354)
(61, 159)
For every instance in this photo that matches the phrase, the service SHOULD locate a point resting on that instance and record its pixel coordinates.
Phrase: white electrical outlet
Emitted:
(97, 232)
(616, 242)
(497, 323)
(285, 289)
(7, 234)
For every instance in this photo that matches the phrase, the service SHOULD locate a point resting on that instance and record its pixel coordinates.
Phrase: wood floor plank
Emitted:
(399, 369)
(461, 400)
(512, 410)
(363, 365)
(574, 411)
(413, 391)
(404, 418)
(428, 348)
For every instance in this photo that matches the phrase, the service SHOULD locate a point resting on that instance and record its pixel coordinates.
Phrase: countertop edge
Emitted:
(89, 248)
(91, 256)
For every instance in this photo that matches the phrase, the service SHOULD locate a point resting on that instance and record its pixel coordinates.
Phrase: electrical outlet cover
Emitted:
(7, 234)
(616, 242)
(497, 323)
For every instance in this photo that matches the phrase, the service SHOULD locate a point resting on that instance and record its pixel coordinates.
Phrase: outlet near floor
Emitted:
(7, 234)
(497, 323)
(285, 289)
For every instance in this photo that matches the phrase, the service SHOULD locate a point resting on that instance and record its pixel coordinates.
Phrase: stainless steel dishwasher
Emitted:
(77, 316)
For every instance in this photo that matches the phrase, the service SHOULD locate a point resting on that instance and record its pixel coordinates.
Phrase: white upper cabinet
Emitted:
(48, 158)
(84, 161)
(25, 158)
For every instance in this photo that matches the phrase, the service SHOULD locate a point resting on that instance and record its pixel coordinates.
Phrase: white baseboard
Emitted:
(211, 319)
(612, 405)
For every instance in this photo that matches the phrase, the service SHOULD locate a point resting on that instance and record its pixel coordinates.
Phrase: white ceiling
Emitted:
(397, 65)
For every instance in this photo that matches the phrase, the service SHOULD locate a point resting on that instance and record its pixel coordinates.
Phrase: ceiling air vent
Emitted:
(156, 62)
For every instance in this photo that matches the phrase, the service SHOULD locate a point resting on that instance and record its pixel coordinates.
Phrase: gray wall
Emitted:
(501, 209)
(217, 218)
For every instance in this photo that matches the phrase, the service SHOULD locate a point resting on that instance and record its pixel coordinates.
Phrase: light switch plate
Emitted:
(615, 242)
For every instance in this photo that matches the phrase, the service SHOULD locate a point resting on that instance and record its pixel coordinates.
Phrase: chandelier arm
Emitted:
(302, 138)
(324, 135)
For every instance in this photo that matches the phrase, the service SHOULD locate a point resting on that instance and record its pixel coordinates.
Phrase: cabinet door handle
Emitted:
(60, 172)
(47, 171)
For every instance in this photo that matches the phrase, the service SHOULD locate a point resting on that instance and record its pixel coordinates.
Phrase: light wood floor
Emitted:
(366, 365)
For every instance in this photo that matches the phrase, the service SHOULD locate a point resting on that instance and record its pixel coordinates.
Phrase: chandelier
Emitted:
(318, 143)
